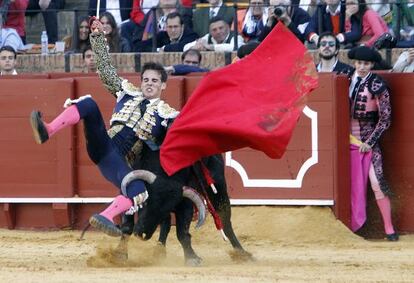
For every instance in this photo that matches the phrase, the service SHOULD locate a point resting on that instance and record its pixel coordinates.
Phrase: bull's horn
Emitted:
(144, 175)
(198, 200)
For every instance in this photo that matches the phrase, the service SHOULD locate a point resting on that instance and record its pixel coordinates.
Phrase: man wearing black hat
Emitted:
(370, 117)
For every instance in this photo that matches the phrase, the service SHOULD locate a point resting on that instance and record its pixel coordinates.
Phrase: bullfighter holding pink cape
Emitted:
(370, 116)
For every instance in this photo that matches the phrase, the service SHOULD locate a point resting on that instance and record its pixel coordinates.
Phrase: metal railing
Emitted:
(395, 4)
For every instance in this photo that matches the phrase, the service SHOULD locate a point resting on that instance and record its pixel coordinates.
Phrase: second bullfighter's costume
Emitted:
(370, 117)
(135, 121)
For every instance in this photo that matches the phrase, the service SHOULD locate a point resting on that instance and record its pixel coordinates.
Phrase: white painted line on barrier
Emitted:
(281, 183)
(232, 201)
(322, 202)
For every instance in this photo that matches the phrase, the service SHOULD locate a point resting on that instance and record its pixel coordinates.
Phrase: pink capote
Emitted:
(360, 163)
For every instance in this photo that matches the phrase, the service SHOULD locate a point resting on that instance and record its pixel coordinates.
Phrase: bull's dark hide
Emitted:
(165, 196)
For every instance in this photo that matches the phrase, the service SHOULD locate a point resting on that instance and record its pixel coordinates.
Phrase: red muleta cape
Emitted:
(254, 102)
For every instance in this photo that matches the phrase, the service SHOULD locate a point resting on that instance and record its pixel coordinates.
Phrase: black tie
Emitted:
(356, 87)
(143, 106)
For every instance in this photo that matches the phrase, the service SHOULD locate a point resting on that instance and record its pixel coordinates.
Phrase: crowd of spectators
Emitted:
(180, 25)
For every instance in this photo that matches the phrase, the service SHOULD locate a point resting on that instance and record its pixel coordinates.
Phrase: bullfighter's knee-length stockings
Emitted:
(383, 202)
(70, 116)
(118, 206)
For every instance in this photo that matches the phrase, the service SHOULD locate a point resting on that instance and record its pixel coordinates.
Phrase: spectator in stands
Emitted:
(407, 24)
(89, 60)
(328, 47)
(120, 9)
(293, 17)
(373, 26)
(219, 39)
(405, 63)
(10, 37)
(382, 8)
(190, 63)
(7, 61)
(252, 21)
(13, 16)
(133, 28)
(115, 42)
(172, 39)
(49, 12)
(370, 116)
(79, 40)
(246, 49)
(144, 30)
(308, 5)
(333, 19)
(203, 15)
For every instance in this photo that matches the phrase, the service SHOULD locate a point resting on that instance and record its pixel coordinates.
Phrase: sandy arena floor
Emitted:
(290, 244)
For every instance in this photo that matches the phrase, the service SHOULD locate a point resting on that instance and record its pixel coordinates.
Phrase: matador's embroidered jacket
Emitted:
(370, 116)
(149, 127)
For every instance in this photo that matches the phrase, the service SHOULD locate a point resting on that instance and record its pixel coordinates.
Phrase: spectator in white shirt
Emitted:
(203, 15)
(405, 63)
(218, 39)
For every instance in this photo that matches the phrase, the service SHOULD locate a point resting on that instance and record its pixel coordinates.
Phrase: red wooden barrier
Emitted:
(29, 170)
(308, 171)
(398, 148)
(61, 167)
(24, 76)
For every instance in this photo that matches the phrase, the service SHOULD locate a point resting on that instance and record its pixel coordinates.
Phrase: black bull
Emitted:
(165, 196)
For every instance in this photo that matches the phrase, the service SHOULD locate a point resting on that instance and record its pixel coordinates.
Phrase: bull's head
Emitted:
(164, 196)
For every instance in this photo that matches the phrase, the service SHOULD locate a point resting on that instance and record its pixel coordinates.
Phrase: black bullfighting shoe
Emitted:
(105, 225)
(39, 129)
(393, 237)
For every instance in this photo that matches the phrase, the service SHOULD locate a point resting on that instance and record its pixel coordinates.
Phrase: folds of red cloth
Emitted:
(254, 102)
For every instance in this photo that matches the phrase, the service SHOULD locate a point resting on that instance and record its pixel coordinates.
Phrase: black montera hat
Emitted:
(364, 53)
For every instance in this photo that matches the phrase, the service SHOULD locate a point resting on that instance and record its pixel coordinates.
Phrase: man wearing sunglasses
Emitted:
(328, 46)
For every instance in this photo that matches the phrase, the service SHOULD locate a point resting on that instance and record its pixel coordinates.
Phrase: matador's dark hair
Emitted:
(155, 67)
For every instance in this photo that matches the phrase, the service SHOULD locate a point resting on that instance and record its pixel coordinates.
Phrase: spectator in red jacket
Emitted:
(373, 26)
(15, 16)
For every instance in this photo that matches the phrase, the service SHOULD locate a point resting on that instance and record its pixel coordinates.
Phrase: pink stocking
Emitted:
(384, 205)
(70, 116)
(118, 206)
